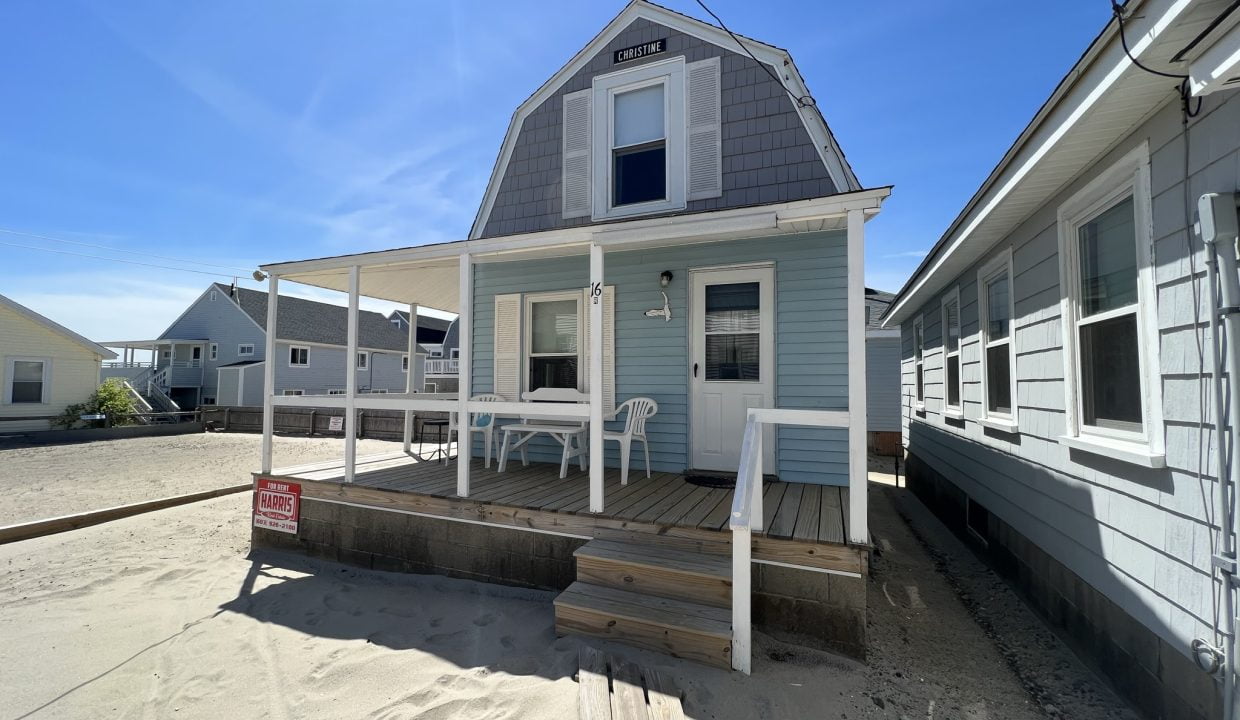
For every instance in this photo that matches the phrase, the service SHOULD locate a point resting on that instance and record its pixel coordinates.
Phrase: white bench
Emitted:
(570, 433)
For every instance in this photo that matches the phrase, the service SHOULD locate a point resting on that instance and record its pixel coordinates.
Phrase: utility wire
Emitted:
(129, 262)
(1185, 95)
(802, 101)
(8, 231)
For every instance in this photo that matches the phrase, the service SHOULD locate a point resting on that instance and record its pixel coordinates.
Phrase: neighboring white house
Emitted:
(44, 367)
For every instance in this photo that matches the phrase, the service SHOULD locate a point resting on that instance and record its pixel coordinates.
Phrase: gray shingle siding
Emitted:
(1137, 535)
(768, 156)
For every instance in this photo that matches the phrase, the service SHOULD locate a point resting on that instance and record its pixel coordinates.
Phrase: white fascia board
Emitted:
(1045, 133)
(49, 324)
(1220, 63)
(840, 172)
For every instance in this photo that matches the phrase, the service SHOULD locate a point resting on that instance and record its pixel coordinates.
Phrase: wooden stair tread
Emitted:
(659, 611)
(679, 561)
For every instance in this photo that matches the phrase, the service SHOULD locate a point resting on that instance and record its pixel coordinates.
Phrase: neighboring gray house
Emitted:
(430, 329)
(882, 376)
(214, 352)
(1057, 374)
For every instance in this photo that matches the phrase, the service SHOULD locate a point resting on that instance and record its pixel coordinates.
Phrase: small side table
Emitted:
(441, 429)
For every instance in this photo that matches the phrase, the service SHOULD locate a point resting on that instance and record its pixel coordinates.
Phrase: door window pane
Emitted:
(1108, 256)
(733, 308)
(554, 327)
(1111, 374)
(639, 116)
(998, 380)
(732, 357)
(998, 308)
(554, 372)
(27, 381)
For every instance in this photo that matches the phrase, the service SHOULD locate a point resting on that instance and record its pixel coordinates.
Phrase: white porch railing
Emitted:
(746, 516)
(119, 364)
(442, 366)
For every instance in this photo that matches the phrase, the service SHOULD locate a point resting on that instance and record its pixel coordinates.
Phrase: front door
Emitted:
(732, 362)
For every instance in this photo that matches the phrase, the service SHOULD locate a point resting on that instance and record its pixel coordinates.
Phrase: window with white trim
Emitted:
(404, 363)
(919, 348)
(294, 393)
(1110, 329)
(951, 352)
(27, 380)
(996, 308)
(639, 140)
(552, 343)
(363, 360)
(214, 352)
(377, 391)
(455, 353)
(298, 356)
(336, 391)
(245, 349)
(208, 400)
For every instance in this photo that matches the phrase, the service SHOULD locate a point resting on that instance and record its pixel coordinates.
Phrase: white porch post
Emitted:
(858, 504)
(350, 398)
(596, 378)
(269, 371)
(464, 326)
(411, 376)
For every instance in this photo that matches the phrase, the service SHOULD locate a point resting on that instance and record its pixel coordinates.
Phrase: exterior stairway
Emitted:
(645, 592)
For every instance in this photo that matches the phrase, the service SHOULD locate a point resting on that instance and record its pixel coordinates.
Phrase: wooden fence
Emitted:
(375, 424)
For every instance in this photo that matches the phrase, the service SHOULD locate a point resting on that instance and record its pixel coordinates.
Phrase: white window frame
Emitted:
(214, 352)
(293, 392)
(1128, 177)
(454, 354)
(671, 74)
(242, 352)
(436, 353)
(336, 391)
(527, 331)
(999, 264)
(10, 361)
(952, 411)
(208, 400)
(377, 391)
(919, 364)
(363, 360)
(292, 364)
(404, 363)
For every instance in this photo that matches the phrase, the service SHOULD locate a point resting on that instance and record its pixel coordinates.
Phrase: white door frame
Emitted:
(764, 273)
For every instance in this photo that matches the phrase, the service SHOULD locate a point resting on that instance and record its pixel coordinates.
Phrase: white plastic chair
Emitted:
(487, 429)
(640, 410)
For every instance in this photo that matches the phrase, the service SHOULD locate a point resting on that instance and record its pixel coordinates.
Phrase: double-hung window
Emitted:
(245, 349)
(552, 341)
(404, 363)
(639, 122)
(214, 354)
(951, 354)
(27, 380)
(363, 360)
(298, 356)
(998, 354)
(1110, 339)
(919, 347)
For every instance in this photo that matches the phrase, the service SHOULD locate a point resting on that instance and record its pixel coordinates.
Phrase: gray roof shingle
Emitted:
(876, 303)
(318, 322)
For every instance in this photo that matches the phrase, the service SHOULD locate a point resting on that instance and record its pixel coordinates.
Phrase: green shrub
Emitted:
(111, 398)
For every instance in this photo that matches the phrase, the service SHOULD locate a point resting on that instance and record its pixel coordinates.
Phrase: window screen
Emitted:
(27, 381)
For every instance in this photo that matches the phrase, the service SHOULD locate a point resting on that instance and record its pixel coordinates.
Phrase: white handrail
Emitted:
(746, 518)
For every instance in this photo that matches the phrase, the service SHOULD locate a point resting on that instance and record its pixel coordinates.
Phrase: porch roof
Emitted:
(146, 344)
(428, 274)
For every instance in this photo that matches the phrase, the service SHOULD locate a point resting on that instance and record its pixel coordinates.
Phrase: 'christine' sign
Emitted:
(277, 505)
(640, 51)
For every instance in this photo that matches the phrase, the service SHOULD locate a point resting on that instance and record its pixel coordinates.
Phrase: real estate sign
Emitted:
(277, 505)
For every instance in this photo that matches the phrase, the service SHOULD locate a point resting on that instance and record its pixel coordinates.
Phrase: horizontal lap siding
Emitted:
(73, 376)
(652, 356)
(327, 371)
(219, 321)
(1135, 534)
(882, 384)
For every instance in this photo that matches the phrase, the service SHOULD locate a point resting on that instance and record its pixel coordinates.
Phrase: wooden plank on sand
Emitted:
(593, 695)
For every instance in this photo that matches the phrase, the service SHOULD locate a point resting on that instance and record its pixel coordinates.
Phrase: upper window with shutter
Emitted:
(638, 145)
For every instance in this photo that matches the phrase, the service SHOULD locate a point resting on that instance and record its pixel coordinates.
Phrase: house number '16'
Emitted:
(596, 291)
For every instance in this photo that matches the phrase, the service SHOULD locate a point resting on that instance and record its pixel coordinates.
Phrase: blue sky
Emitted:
(239, 132)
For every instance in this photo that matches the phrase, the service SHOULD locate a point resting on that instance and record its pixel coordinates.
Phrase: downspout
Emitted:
(1223, 274)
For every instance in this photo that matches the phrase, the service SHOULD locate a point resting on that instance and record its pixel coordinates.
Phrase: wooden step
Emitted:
(659, 571)
(610, 688)
(681, 629)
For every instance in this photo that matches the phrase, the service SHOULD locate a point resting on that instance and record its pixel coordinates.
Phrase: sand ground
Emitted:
(38, 482)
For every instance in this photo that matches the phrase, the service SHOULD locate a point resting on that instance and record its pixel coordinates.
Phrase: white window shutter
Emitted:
(575, 160)
(609, 346)
(705, 155)
(508, 346)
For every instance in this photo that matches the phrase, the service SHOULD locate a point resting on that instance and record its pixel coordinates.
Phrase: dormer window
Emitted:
(639, 146)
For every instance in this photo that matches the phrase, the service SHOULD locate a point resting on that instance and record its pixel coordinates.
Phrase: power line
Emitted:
(8, 231)
(128, 262)
(801, 101)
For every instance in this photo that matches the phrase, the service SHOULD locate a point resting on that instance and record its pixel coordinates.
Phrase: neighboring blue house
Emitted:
(1060, 390)
(214, 352)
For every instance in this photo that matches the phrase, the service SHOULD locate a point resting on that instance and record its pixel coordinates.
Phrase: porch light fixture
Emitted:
(665, 278)
(259, 275)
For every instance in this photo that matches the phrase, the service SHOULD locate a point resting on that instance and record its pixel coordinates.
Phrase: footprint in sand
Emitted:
(436, 622)
(446, 638)
(507, 642)
(563, 644)
(484, 620)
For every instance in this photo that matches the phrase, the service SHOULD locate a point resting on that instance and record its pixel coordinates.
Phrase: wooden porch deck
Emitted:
(805, 524)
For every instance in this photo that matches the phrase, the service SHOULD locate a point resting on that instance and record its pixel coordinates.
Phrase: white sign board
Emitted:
(335, 424)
